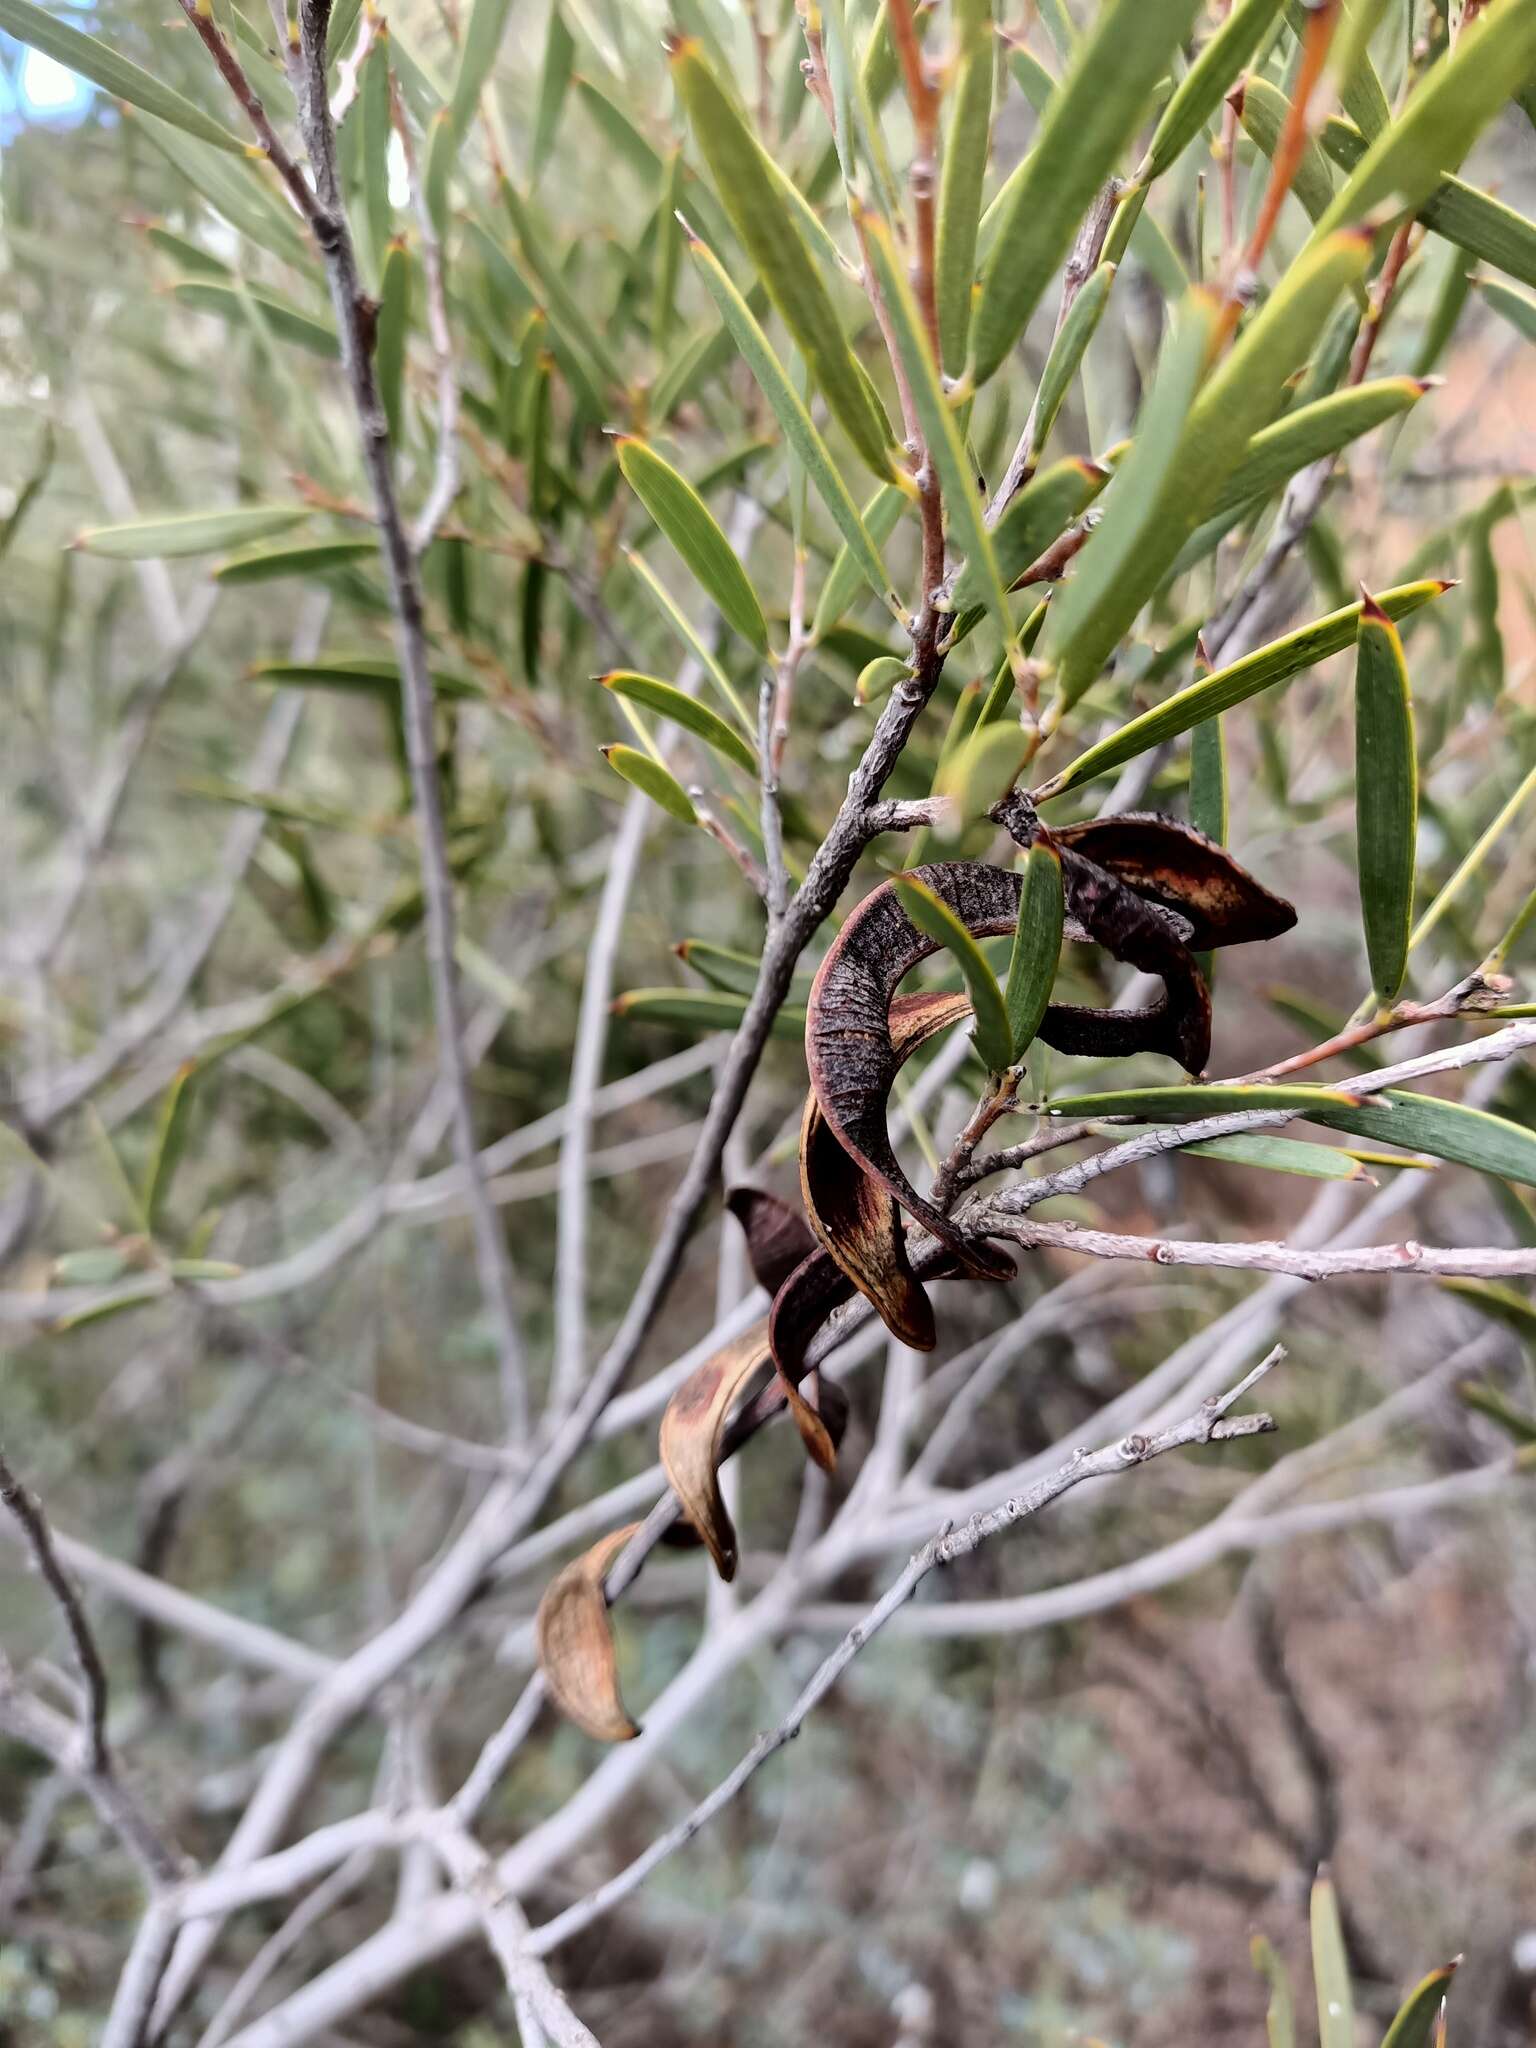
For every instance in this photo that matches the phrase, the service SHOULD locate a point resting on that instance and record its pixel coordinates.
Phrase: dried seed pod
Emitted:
(801, 1306)
(1171, 863)
(777, 1239)
(851, 1212)
(575, 1643)
(691, 1432)
(849, 1045)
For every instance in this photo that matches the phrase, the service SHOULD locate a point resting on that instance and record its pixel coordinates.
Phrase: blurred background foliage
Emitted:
(220, 1040)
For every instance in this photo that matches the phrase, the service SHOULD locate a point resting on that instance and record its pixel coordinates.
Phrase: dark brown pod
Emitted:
(777, 1239)
(851, 1211)
(849, 1044)
(1171, 863)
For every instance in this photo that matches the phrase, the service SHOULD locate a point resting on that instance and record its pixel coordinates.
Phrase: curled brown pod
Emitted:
(1146, 888)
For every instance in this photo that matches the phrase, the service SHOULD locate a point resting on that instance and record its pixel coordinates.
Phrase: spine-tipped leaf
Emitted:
(671, 702)
(689, 524)
(657, 782)
(1443, 118)
(754, 200)
(1204, 85)
(1233, 685)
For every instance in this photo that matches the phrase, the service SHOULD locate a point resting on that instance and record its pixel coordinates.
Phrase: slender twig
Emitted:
(1499, 1045)
(1409, 1257)
(314, 1907)
(28, 1514)
(445, 474)
(355, 322)
(586, 1074)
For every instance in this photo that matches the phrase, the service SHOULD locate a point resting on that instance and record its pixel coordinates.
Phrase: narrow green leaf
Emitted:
(934, 917)
(42, 29)
(134, 1296)
(689, 524)
(1446, 1130)
(1233, 685)
(967, 145)
(1035, 80)
(1518, 308)
(190, 533)
(392, 334)
(799, 428)
(1386, 797)
(1313, 431)
(477, 54)
(1443, 118)
(980, 771)
(946, 448)
(1134, 503)
(657, 783)
(311, 558)
(1459, 213)
(1281, 1155)
(666, 258)
(1036, 946)
(373, 114)
(368, 675)
(168, 1146)
(1263, 110)
(344, 18)
(187, 256)
(1087, 122)
(286, 320)
(683, 710)
(879, 518)
(554, 83)
(1208, 780)
(1201, 90)
(725, 967)
(31, 490)
(1067, 349)
(702, 1009)
(753, 197)
(442, 162)
(1330, 1970)
(1503, 1304)
(98, 1265)
(192, 1270)
(1240, 396)
(1280, 2020)
(1185, 1102)
(1503, 1414)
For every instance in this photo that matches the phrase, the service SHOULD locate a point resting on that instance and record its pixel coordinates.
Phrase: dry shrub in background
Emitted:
(571, 575)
